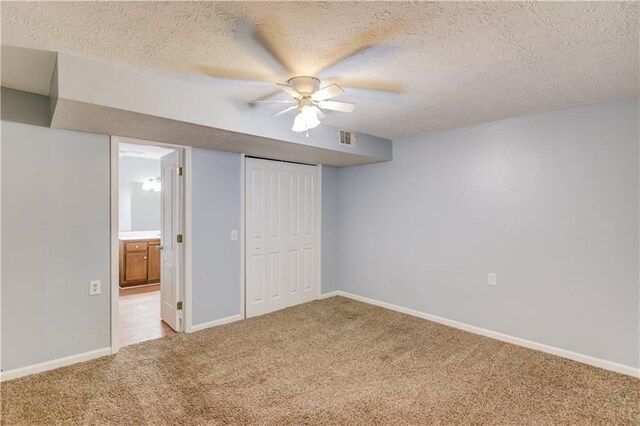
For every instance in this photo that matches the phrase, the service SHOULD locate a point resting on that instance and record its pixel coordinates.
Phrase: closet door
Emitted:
(280, 223)
(256, 208)
(276, 244)
(302, 242)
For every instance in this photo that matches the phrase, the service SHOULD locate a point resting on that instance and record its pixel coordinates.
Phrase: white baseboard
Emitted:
(53, 364)
(215, 323)
(585, 359)
(331, 294)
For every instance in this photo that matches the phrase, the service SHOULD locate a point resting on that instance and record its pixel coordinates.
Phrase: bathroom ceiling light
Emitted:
(152, 185)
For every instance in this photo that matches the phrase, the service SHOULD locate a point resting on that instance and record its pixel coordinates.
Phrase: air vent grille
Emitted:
(347, 138)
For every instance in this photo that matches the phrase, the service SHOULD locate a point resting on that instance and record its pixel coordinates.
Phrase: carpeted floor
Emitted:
(334, 361)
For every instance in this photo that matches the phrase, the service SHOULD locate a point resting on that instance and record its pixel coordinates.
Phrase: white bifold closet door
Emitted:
(282, 221)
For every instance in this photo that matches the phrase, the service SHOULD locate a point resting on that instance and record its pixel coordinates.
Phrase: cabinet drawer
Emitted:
(136, 246)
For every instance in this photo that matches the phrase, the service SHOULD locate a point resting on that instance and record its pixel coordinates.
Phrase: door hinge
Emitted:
(180, 171)
(179, 306)
(179, 238)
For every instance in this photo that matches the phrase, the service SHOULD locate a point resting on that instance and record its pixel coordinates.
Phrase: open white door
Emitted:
(172, 249)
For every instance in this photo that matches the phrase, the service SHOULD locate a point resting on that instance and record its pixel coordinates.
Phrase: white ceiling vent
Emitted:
(348, 138)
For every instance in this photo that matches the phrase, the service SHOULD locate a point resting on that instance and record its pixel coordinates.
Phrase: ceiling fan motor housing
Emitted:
(304, 85)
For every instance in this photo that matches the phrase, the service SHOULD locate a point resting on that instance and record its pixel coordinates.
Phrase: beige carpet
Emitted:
(334, 361)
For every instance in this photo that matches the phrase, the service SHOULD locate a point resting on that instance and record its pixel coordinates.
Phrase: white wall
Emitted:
(549, 202)
(135, 169)
(55, 239)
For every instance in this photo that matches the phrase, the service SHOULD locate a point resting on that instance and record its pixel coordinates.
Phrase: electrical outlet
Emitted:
(493, 278)
(94, 287)
(234, 234)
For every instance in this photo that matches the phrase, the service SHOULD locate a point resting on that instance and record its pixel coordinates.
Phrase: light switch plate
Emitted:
(493, 278)
(94, 287)
(234, 234)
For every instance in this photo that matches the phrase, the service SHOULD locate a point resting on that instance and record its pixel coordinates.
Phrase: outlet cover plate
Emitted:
(94, 287)
(493, 278)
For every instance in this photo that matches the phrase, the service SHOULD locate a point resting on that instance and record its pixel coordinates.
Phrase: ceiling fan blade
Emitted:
(264, 41)
(327, 93)
(258, 101)
(225, 74)
(361, 86)
(356, 59)
(284, 111)
(290, 90)
(337, 106)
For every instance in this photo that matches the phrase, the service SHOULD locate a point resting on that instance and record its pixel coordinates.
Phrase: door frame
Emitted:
(243, 235)
(114, 231)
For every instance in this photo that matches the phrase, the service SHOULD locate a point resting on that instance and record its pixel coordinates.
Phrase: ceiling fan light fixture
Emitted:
(306, 119)
(311, 100)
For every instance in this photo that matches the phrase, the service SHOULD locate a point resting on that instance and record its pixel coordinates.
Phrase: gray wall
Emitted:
(549, 202)
(47, 313)
(330, 231)
(55, 239)
(215, 212)
(146, 208)
(134, 169)
(24, 107)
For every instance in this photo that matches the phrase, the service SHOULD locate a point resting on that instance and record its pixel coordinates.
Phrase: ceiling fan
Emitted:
(309, 101)
(308, 98)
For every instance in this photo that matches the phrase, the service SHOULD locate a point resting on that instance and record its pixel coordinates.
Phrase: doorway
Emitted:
(282, 246)
(148, 222)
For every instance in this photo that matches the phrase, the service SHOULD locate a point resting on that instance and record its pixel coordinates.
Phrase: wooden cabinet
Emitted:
(139, 262)
(153, 274)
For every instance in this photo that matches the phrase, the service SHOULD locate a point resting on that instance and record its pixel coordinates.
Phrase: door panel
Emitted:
(259, 271)
(274, 272)
(255, 241)
(294, 205)
(276, 241)
(294, 272)
(308, 269)
(281, 199)
(171, 257)
(307, 195)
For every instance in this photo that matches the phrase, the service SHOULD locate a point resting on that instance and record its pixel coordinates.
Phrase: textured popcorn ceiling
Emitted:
(455, 63)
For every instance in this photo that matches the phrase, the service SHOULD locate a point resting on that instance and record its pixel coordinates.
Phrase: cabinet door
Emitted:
(154, 263)
(135, 267)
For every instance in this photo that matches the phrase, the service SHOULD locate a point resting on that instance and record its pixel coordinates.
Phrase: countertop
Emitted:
(138, 235)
